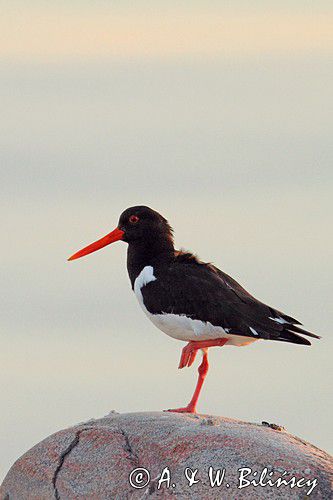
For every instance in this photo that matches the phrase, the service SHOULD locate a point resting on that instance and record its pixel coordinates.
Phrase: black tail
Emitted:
(297, 329)
(291, 329)
(288, 335)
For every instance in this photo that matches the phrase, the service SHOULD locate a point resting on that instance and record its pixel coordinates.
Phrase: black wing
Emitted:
(201, 291)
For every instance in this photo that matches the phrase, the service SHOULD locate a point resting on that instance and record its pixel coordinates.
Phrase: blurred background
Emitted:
(216, 114)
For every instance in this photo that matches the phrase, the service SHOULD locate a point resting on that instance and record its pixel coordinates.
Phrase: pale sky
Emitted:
(219, 118)
(43, 30)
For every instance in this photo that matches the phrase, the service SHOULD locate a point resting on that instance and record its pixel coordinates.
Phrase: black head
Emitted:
(142, 223)
(142, 228)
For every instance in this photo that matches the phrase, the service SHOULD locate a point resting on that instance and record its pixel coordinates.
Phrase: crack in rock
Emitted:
(62, 459)
(133, 457)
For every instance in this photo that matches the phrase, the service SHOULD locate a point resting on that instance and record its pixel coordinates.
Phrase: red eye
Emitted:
(134, 219)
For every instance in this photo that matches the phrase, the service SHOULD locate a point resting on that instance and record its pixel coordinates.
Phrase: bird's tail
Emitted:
(291, 334)
(291, 331)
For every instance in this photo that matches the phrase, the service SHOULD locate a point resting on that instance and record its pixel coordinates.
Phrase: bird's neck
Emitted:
(148, 253)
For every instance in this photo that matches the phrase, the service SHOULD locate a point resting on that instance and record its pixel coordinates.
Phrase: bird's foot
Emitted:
(189, 353)
(186, 409)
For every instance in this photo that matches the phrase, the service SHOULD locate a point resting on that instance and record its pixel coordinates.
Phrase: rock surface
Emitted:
(94, 460)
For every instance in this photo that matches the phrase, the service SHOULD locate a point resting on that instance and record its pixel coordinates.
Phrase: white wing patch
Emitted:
(180, 326)
(253, 331)
(278, 320)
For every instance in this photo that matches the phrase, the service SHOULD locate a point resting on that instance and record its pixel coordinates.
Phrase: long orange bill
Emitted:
(115, 235)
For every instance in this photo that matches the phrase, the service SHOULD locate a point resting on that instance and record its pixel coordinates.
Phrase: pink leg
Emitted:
(188, 356)
(189, 352)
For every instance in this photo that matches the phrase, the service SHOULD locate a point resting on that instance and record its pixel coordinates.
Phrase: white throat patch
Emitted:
(145, 277)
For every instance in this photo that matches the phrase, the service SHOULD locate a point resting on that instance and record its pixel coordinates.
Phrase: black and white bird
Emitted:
(191, 300)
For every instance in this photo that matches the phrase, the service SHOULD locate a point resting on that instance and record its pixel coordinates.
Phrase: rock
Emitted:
(94, 460)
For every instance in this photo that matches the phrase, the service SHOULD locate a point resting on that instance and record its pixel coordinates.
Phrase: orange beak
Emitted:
(115, 235)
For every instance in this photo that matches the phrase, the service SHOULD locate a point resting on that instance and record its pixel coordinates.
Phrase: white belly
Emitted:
(185, 328)
(182, 327)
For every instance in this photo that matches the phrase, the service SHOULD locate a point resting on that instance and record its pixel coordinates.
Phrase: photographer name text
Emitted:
(217, 478)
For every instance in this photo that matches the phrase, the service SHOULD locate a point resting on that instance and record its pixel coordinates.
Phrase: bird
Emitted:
(191, 300)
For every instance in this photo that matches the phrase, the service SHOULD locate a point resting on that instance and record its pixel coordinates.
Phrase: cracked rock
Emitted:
(95, 459)
(62, 458)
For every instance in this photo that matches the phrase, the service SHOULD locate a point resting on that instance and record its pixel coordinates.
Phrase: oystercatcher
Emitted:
(191, 300)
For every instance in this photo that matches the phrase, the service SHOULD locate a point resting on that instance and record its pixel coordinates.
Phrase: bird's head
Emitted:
(137, 225)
